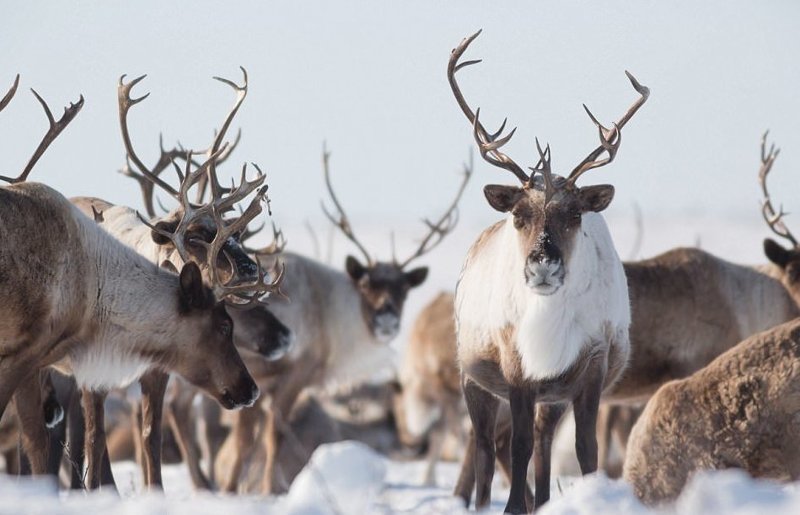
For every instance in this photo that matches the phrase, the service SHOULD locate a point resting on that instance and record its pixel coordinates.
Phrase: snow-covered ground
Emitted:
(349, 478)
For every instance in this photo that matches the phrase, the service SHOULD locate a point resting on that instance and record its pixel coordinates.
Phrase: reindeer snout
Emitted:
(544, 276)
(243, 395)
(282, 346)
(386, 323)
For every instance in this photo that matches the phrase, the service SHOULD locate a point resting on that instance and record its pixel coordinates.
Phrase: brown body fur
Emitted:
(742, 411)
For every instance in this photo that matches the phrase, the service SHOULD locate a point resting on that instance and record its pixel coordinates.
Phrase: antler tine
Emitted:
(241, 92)
(125, 103)
(774, 220)
(240, 192)
(10, 94)
(610, 139)
(543, 167)
(343, 223)
(248, 295)
(166, 158)
(52, 133)
(445, 224)
(276, 247)
(488, 144)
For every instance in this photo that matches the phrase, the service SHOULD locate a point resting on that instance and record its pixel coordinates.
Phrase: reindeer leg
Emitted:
(95, 445)
(547, 417)
(435, 444)
(482, 407)
(243, 435)
(35, 438)
(154, 385)
(585, 407)
(277, 419)
(214, 434)
(181, 421)
(523, 403)
(76, 437)
(502, 441)
(466, 478)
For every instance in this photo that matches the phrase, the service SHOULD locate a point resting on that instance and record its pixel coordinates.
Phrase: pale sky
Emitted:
(369, 77)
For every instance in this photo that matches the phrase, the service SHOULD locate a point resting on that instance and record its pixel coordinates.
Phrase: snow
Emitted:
(348, 477)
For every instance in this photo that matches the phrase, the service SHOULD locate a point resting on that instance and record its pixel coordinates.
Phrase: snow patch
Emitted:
(343, 477)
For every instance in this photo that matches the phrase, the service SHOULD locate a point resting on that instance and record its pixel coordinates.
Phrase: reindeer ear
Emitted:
(169, 227)
(417, 276)
(596, 198)
(354, 268)
(776, 253)
(502, 198)
(193, 292)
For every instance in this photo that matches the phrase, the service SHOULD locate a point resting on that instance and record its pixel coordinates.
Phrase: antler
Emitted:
(343, 223)
(445, 224)
(241, 93)
(11, 92)
(275, 247)
(52, 133)
(773, 219)
(488, 144)
(125, 103)
(610, 139)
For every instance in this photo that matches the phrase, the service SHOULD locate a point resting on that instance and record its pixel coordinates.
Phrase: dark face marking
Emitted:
(547, 231)
(213, 364)
(259, 330)
(383, 288)
(788, 260)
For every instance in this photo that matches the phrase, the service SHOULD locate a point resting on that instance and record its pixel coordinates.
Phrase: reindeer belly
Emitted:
(102, 368)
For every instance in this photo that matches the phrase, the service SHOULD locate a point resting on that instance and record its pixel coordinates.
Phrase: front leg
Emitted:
(154, 385)
(547, 417)
(523, 403)
(482, 407)
(585, 406)
(34, 436)
(181, 420)
(95, 443)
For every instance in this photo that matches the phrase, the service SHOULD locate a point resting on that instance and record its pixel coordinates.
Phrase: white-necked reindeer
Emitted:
(192, 232)
(76, 298)
(343, 322)
(541, 307)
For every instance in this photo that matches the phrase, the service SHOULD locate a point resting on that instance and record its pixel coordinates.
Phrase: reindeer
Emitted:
(428, 405)
(542, 310)
(740, 411)
(335, 316)
(688, 307)
(93, 307)
(189, 233)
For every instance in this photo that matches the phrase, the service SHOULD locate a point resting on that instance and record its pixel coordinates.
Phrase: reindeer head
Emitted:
(384, 286)
(787, 260)
(546, 210)
(198, 231)
(214, 365)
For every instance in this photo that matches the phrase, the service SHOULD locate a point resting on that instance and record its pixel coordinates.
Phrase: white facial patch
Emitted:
(386, 326)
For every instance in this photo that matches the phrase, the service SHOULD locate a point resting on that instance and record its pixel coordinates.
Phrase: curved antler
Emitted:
(445, 224)
(343, 223)
(241, 92)
(52, 132)
(774, 220)
(488, 144)
(610, 139)
(125, 103)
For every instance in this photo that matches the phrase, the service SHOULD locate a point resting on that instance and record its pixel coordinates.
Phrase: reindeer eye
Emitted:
(225, 328)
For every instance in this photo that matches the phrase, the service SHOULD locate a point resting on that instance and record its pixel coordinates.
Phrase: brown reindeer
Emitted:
(192, 232)
(429, 405)
(336, 316)
(740, 411)
(97, 309)
(542, 309)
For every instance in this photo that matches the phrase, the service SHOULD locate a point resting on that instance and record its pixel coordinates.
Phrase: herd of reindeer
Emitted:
(681, 362)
